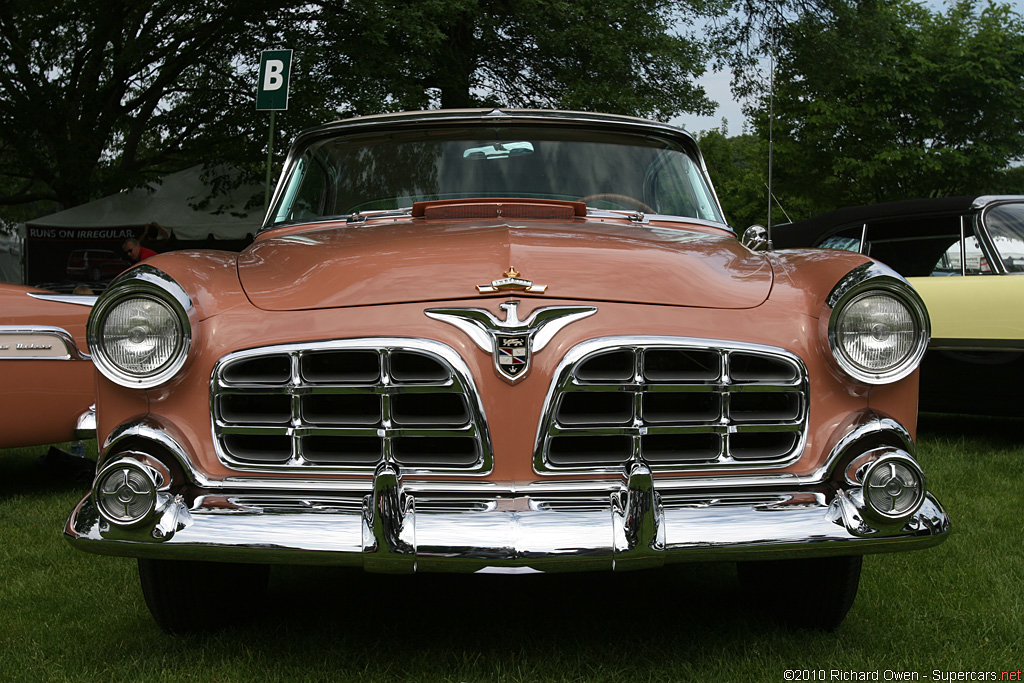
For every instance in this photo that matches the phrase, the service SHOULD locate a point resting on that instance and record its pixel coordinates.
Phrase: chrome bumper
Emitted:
(85, 426)
(618, 525)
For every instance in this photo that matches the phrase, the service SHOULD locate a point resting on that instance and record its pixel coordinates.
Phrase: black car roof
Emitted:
(806, 232)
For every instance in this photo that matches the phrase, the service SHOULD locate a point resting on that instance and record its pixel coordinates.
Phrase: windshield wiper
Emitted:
(361, 216)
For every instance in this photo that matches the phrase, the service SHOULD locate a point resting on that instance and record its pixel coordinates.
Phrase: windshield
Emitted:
(390, 171)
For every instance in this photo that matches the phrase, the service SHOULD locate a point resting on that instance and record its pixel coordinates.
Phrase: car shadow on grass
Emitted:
(44, 470)
(445, 611)
(1000, 432)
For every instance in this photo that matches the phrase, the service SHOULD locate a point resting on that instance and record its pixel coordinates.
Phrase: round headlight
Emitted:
(878, 330)
(139, 330)
(140, 335)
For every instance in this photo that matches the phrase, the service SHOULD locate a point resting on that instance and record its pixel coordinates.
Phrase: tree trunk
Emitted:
(456, 65)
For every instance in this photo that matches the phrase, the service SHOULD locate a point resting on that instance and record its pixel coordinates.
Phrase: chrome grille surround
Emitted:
(679, 404)
(347, 405)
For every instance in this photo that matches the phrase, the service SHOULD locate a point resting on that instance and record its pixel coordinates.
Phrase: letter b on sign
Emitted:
(272, 78)
(272, 87)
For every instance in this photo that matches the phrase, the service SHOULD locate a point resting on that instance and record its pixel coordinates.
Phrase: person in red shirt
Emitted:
(136, 252)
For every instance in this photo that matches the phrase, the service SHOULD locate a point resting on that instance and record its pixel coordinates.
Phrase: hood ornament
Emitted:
(511, 282)
(511, 342)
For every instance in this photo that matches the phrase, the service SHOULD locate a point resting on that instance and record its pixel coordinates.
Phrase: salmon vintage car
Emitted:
(504, 341)
(47, 376)
(965, 258)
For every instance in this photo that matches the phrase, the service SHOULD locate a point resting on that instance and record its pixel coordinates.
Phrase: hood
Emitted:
(410, 260)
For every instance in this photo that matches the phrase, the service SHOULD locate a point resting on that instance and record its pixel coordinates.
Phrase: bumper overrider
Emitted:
(147, 501)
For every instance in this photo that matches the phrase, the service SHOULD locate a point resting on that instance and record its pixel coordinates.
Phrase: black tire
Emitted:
(813, 593)
(96, 274)
(181, 595)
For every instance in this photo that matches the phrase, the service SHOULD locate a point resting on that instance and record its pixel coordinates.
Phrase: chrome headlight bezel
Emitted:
(875, 279)
(142, 283)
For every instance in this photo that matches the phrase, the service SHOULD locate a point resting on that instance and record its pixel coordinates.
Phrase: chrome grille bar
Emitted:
(678, 404)
(347, 405)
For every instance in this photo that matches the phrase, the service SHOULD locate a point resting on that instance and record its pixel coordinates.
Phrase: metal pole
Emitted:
(270, 161)
(771, 127)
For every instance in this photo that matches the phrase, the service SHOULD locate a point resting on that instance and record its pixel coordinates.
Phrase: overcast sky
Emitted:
(717, 86)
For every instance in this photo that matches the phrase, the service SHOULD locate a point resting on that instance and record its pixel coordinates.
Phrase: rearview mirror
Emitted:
(499, 150)
(755, 238)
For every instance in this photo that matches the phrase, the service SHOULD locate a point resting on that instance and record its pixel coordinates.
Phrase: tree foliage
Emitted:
(627, 56)
(738, 167)
(875, 100)
(95, 97)
(890, 100)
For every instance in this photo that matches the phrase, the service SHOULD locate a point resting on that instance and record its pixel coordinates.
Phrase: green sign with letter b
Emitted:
(272, 87)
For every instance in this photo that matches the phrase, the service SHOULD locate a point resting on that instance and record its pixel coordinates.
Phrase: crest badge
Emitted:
(513, 354)
(511, 342)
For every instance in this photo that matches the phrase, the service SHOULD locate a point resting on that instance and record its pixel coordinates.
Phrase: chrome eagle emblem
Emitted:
(511, 282)
(511, 342)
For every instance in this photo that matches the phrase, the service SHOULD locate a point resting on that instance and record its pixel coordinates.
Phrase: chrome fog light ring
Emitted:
(126, 492)
(893, 487)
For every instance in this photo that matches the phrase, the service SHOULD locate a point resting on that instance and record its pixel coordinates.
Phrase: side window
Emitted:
(1005, 225)
(307, 192)
(924, 245)
(311, 193)
(972, 257)
(847, 240)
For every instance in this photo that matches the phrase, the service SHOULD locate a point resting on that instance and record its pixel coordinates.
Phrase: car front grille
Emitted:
(679, 404)
(346, 405)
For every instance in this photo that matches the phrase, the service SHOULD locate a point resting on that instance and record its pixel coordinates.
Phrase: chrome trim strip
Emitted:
(985, 201)
(886, 430)
(563, 378)
(34, 338)
(460, 383)
(76, 299)
(150, 431)
(993, 345)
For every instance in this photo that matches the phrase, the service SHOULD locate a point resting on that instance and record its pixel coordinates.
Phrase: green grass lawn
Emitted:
(67, 615)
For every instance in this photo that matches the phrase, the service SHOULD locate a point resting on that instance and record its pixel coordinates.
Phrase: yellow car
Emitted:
(963, 256)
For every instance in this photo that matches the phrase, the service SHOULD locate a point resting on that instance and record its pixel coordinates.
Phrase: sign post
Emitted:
(272, 95)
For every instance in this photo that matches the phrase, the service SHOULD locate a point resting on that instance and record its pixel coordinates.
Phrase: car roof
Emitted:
(497, 116)
(807, 232)
(494, 114)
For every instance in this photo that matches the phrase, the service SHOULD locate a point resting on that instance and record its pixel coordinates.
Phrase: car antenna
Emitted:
(781, 207)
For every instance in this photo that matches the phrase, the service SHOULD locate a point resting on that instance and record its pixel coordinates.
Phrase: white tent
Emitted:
(170, 203)
(10, 258)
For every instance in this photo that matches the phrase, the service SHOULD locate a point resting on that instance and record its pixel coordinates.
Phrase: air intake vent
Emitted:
(679, 404)
(346, 406)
